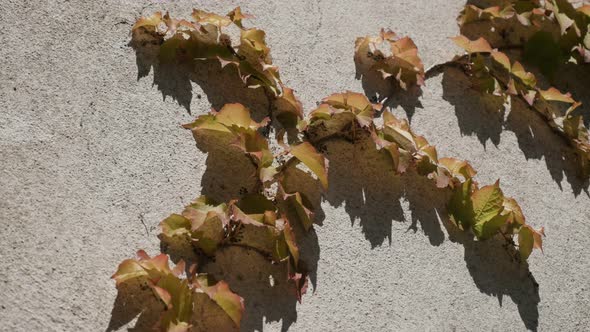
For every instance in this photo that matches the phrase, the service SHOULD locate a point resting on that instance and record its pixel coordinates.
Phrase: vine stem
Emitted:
(270, 98)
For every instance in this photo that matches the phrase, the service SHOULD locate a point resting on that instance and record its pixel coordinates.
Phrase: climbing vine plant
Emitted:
(267, 219)
(543, 34)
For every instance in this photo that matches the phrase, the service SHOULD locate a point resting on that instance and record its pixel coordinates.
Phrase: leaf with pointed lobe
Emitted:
(529, 238)
(231, 303)
(472, 46)
(237, 16)
(513, 210)
(458, 167)
(308, 155)
(298, 207)
(402, 62)
(202, 17)
(461, 206)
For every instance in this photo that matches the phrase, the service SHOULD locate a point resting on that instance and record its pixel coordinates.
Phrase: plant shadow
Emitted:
(388, 91)
(135, 300)
(220, 85)
(229, 174)
(497, 271)
(484, 116)
(268, 296)
(576, 80)
(357, 180)
(373, 197)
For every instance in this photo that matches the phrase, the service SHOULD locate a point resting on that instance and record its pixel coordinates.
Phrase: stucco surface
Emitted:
(93, 158)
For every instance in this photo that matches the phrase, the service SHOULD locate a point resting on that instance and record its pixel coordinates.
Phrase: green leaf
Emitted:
(461, 207)
(316, 162)
(487, 203)
(231, 303)
(298, 207)
(486, 229)
(207, 223)
(178, 297)
(472, 46)
(289, 235)
(175, 225)
(127, 270)
(525, 242)
(237, 115)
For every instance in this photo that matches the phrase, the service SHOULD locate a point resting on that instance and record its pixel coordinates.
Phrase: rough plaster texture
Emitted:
(93, 158)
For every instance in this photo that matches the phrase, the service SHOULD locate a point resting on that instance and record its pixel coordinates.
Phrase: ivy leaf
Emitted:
(356, 103)
(289, 235)
(207, 122)
(472, 46)
(127, 270)
(400, 158)
(150, 22)
(254, 209)
(471, 13)
(552, 94)
(298, 208)
(526, 78)
(237, 16)
(458, 167)
(398, 131)
(289, 108)
(529, 238)
(403, 62)
(502, 59)
(461, 207)
(207, 222)
(513, 211)
(307, 154)
(267, 240)
(175, 225)
(231, 303)
(487, 203)
(237, 115)
(202, 17)
(487, 229)
(178, 297)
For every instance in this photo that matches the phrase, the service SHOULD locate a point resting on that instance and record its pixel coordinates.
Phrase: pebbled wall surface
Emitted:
(92, 158)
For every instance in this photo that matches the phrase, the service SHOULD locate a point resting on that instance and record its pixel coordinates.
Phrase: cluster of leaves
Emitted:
(263, 221)
(401, 62)
(203, 39)
(268, 219)
(493, 72)
(484, 211)
(181, 290)
(550, 32)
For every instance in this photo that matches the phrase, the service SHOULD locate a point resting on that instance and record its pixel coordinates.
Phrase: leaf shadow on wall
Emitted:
(135, 300)
(576, 80)
(220, 85)
(229, 174)
(497, 273)
(268, 297)
(484, 116)
(387, 91)
(371, 195)
(359, 179)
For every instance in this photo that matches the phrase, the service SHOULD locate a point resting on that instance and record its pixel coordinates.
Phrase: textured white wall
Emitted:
(92, 159)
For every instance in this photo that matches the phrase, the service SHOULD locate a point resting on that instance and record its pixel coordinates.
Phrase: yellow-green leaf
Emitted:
(316, 162)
